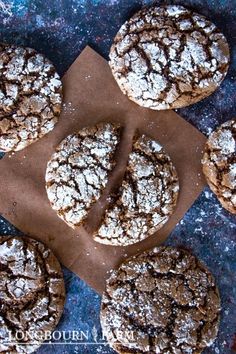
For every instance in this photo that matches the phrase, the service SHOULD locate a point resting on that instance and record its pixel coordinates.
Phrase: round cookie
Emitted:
(160, 301)
(168, 57)
(30, 97)
(146, 199)
(32, 293)
(219, 164)
(78, 171)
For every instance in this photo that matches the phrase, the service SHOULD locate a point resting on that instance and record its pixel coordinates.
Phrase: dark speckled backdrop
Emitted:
(61, 29)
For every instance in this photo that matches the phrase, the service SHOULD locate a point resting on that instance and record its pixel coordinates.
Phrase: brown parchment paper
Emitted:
(91, 95)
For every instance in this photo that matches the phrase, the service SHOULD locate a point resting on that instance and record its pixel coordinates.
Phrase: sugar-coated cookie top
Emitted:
(161, 301)
(168, 57)
(30, 97)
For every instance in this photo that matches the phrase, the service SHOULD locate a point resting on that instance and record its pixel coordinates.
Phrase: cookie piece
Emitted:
(168, 57)
(78, 171)
(146, 198)
(219, 164)
(161, 301)
(32, 293)
(30, 97)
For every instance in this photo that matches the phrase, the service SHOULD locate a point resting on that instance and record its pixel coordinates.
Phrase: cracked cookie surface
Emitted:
(168, 57)
(30, 97)
(146, 198)
(32, 293)
(161, 301)
(78, 171)
(219, 164)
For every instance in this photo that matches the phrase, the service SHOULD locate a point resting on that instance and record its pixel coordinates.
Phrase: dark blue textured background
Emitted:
(61, 29)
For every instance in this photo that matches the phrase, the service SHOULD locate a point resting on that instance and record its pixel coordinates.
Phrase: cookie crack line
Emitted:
(145, 199)
(30, 97)
(78, 171)
(141, 204)
(219, 164)
(33, 291)
(158, 47)
(134, 301)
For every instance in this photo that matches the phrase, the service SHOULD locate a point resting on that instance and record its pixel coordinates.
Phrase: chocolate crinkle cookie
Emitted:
(30, 97)
(32, 294)
(146, 198)
(219, 164)
(78, 171)
(168, 57)
(161, 301)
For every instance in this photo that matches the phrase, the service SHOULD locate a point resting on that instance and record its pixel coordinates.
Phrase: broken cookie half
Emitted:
(80, 173)
(145, 199)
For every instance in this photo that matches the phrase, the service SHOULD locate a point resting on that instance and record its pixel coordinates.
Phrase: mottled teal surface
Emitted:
(61, 29)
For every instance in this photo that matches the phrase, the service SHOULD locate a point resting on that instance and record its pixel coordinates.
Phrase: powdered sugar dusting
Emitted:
(78, 171)
(32, 291)
(30, 97)
(168, 57)
(219, 164)
(146, 198)
(166, 298)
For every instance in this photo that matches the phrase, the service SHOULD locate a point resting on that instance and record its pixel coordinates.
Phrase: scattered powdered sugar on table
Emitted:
(218, 226)
(6, 8)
